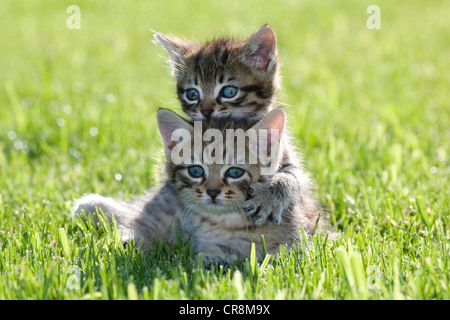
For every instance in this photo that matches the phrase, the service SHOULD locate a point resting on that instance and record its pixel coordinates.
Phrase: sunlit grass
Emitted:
(368, 108)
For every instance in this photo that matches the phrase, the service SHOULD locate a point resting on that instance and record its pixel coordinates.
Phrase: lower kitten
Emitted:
(206, 197)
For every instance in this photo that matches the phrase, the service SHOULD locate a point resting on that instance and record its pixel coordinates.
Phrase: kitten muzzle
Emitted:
(207, 112)
(213, 192)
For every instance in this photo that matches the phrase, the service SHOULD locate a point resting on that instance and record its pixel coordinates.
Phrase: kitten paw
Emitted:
(87, 205)
(209, 261)
(262, 206)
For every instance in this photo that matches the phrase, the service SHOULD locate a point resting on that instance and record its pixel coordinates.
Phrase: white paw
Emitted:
(90, 205)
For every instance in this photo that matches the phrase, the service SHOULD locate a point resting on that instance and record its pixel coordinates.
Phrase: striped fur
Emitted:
(228, 61)
(275, 206)
(221, 228)
(222, 62)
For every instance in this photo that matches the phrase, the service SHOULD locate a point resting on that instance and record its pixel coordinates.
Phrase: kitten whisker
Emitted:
(168, 102)
(281, 103)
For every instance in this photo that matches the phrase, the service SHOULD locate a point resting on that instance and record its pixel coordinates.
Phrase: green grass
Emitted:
(369, 109)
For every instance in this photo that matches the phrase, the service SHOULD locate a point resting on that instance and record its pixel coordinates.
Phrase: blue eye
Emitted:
(229, 91)
(235, 172)
(196, 171)
(192, 94)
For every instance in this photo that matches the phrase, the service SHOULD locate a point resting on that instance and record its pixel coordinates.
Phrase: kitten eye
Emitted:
(235, 173)
(229, 91)
(192, 94)
(196, 171)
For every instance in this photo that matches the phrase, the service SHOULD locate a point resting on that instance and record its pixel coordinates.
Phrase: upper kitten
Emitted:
(225, 76)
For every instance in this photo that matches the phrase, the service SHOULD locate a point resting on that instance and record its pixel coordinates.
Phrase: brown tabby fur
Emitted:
(219, 62)
(251, 65)
(220, 229)
(276, 206)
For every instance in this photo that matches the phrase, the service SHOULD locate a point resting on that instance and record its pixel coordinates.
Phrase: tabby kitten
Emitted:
(225, 76)
(206, 199)
(238, 78)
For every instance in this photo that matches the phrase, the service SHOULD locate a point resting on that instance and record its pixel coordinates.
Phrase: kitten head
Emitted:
(216, 178)
(225, 76)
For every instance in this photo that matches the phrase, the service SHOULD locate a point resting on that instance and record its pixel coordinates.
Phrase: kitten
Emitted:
(238, 78)
(225, 76)
(206, 197)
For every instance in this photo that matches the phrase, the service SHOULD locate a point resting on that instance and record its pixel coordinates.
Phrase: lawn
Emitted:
(369, 109)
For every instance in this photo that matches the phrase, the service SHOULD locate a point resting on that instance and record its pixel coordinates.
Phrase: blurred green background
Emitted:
(364, 104)
(369, 109)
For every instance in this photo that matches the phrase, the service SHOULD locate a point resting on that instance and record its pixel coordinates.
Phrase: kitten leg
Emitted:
(148, 219)
(124, 213)
(213, 254)
(271, 197)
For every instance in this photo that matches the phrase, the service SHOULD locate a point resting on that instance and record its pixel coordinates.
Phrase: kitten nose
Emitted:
(213, 192)
(207, 112)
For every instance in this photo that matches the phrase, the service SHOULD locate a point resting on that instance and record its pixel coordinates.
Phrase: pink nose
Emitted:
(207, 112)
(213, 192)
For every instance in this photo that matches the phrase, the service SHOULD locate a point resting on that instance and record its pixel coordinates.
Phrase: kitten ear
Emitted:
(168, 122)
(260, 50)
(174, 47)
(269, 131)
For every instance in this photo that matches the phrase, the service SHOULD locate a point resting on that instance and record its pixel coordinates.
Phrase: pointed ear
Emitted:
(168, 122)
(174, 47)
(270, 130)
(260, 50)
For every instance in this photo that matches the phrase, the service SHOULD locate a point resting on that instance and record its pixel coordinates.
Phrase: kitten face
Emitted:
(225, 76)
(216, 184)
(215, 188)
(210, 186)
